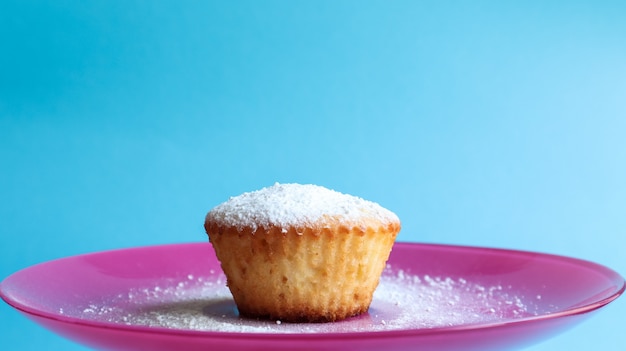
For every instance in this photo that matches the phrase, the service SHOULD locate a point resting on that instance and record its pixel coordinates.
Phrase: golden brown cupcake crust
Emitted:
(320, 266)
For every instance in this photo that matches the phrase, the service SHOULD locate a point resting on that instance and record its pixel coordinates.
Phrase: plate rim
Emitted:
(620, 288)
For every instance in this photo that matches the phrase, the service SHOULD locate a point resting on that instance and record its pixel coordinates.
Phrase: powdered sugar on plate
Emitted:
(401, 301)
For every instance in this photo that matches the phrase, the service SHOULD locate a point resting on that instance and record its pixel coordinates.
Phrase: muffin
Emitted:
(301, 253)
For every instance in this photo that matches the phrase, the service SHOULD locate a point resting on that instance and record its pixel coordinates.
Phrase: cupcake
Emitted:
(301, 253)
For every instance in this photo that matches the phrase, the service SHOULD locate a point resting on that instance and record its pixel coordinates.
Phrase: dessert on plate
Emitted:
(301, 253)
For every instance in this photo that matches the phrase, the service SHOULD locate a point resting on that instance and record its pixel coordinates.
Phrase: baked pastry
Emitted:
(301, 253)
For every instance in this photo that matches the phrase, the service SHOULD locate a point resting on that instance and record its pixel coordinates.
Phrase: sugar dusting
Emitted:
(289, 205)
(402, 301)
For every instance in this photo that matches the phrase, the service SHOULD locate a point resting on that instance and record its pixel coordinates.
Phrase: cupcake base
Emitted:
(308, 275)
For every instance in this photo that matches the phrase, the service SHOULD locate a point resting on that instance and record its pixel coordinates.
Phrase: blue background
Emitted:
(498, 124)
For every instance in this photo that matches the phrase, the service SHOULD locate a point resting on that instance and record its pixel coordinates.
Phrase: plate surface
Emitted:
(430, 297)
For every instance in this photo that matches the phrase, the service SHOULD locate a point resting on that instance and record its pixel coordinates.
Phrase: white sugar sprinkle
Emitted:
(295, 205)
(401, 301)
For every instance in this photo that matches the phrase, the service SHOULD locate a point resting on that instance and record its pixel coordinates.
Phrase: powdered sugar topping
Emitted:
(296, 205)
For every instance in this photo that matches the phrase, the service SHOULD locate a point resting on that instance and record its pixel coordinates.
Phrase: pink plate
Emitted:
(431, 297)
